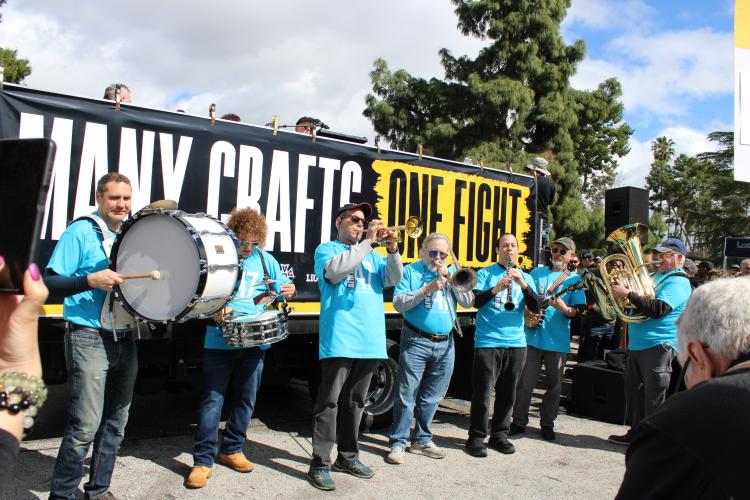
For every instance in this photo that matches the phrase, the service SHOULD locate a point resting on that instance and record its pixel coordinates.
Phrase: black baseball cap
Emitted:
(707, 265)
(364, 206)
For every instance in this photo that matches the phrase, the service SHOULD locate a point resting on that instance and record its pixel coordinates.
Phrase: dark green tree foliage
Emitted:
(509, 104)
(698, 196)
(15, 69)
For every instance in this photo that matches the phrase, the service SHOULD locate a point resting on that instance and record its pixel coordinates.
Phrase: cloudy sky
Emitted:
(292, 58)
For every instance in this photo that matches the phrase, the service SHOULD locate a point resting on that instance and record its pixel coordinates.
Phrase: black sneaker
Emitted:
(502, 445)
(623, 440)
(516, 429)
(476, 448)
(548, 434)
(320, 477)
(355, 468)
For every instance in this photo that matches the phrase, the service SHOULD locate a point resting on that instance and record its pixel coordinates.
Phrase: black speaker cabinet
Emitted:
(625, 205)
(598, 392)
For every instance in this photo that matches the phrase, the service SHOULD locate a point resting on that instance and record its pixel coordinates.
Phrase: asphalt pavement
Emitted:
(155, 458)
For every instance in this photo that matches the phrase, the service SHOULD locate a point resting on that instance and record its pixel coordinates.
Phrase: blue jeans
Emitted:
(219, 367)
(101, 375)
(424, 373)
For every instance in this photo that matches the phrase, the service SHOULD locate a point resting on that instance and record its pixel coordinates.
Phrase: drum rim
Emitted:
(203, 275)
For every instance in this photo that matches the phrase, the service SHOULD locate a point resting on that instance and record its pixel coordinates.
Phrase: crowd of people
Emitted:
(523, 321)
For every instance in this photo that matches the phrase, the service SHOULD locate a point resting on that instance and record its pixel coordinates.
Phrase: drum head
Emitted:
(158, 242)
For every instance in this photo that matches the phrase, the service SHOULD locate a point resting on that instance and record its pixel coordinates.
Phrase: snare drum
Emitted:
(251, 330)
(196, 255)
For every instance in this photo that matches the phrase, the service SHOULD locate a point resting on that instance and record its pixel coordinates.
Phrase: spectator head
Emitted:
(306, 124)
(745, 267)
(704, 268)
(231, 117)
(714, 329)
(690, 268)
(125, 95)
(539, 165)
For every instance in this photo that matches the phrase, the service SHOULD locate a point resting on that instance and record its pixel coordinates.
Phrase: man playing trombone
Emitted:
(501, 294)
(427, 298)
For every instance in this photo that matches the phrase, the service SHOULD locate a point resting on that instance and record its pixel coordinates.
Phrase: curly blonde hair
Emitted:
(247, 222)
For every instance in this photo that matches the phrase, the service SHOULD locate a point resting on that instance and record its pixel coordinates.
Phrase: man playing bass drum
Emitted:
(550, 341)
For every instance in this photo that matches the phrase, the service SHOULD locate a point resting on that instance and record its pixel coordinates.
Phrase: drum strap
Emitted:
(113, 316)
(266, 277)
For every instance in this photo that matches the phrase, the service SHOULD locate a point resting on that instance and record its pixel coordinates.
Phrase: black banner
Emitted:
(295, 181)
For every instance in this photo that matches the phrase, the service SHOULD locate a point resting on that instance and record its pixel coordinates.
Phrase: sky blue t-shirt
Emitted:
(352, 316)
(252, 274)
(431, 314)
(674, 289)
(497, 327)
(79, 253)
(554, 332)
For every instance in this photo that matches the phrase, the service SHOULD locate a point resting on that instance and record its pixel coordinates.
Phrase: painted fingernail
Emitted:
(34, 270)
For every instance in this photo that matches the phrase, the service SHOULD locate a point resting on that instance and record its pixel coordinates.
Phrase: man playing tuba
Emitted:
(652, 343)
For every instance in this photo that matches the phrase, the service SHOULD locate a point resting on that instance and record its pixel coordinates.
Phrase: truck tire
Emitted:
(379, 404)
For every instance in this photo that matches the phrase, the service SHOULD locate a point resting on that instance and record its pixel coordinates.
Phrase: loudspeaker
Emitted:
(598, 392)
(625, 205)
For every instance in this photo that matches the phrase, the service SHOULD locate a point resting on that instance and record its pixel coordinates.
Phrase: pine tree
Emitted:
(509, 104)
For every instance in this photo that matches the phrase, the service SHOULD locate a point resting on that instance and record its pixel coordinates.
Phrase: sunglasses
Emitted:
(561, 251)
(245, 243)
(435, 254)
(357, 219)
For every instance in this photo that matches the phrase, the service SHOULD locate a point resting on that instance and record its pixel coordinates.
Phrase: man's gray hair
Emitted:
(436, 236)
(109, 92)
(718, 316)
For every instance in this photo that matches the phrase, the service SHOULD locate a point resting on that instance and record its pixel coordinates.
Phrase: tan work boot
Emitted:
(236, 461)
(198, 476)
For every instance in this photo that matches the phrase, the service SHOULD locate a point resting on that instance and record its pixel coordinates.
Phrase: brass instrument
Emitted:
(463, 280)
(634, 274)
(412, 228)
(509, 305)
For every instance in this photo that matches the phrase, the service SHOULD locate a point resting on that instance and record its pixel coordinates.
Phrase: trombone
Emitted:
(463, 280)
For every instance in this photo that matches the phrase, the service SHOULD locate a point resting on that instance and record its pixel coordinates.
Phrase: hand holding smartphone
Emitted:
(25, 172)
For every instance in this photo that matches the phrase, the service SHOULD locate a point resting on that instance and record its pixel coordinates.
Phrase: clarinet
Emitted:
(509, 305)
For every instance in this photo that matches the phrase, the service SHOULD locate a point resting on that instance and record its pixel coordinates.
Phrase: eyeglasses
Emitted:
(356, 219)
(245, 243)
(435, 253)
(561, 251)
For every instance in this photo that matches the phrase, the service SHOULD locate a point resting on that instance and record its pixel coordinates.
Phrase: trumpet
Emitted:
(509, 305)
(412, 228)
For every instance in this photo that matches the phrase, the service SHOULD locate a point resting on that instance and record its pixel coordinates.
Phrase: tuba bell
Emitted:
(632, 273)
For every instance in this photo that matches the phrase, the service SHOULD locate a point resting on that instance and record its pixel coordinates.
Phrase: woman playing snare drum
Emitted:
(242, 366)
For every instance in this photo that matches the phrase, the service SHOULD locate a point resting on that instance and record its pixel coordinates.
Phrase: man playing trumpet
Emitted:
(425, 364)
(501, 294)
(351, 278)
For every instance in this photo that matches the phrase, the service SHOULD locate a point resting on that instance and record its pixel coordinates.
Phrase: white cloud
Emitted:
(636, 165)
(255, 59)
(631, 14)
(662, 74)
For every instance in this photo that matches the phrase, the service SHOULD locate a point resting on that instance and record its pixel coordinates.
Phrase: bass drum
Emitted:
(197, 258)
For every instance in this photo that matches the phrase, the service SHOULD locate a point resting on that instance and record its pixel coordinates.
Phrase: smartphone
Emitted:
(25, 173)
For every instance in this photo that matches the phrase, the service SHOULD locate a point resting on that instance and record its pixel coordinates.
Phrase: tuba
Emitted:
(633, 274)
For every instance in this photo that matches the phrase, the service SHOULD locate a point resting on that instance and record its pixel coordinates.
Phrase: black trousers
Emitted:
(343, 380)
(498, 367)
